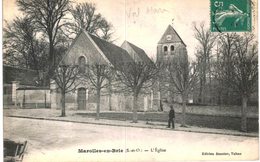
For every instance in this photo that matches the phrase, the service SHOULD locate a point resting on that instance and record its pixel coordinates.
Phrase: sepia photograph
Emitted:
(130, 80)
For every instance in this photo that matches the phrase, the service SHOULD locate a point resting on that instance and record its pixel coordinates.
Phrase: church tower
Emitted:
(170, 48)
(169, 45)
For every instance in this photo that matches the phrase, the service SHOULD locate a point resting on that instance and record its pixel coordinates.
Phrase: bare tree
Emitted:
(65, 77)
(21, 47)
(99, 76)
(136, 77)
(47, 15)
(86, 17)
(225, 53)
(182, 77)
(245, 71)
(206, 41)
(241, 72)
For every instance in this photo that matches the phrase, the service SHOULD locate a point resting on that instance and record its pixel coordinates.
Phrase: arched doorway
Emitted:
(82, 98)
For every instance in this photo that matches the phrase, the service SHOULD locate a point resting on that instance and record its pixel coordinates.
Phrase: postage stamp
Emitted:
(230, 15)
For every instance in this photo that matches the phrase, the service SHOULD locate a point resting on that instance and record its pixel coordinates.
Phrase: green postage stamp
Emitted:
(230, 15)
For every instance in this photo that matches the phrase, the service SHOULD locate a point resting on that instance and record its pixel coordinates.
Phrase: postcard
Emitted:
(130, 80)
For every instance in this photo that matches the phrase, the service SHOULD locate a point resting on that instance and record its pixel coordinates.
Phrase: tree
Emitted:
(241, 72)
(225, 53)
(21, 47)
(136, 77)
(100, 77)
(47, 15)
(206, 41)
(65, 77)
(85, 17)
(182, 77)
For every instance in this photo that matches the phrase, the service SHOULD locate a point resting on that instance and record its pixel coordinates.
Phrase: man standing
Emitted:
(171, 117)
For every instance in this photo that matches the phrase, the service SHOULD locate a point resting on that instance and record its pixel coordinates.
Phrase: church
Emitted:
(88, 49)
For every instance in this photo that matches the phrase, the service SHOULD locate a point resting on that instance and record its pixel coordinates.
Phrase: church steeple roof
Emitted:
(170, 35)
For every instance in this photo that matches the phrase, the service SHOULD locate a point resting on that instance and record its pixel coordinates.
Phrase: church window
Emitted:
(172, 49)
(82, 64)
(165, 49)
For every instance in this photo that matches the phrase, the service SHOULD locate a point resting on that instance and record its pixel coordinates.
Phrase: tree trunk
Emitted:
(159, 98)
(200, 91)
(45, 102)
(109, 97)
(183, 120)
(135, 108)
(203, 95)
(63, 104)
(98, 103)
(51, 59)
(244, 114)
(229, 97)
(110, 103)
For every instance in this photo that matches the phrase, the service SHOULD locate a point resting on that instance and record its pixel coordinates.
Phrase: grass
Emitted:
(219, 122)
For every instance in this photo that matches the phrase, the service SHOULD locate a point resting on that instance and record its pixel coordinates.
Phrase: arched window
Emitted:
(82, 64)
(165, 49)
(172, 49)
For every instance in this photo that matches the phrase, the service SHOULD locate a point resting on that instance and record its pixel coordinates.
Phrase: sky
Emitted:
(143, 22)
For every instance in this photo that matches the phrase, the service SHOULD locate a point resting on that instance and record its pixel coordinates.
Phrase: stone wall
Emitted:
(232, 111)
(119, 101)
(33, 98)
(7, 94)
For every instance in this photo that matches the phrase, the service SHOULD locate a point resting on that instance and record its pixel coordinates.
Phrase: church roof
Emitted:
(113, 53)
(175, 36)
(140, 52)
